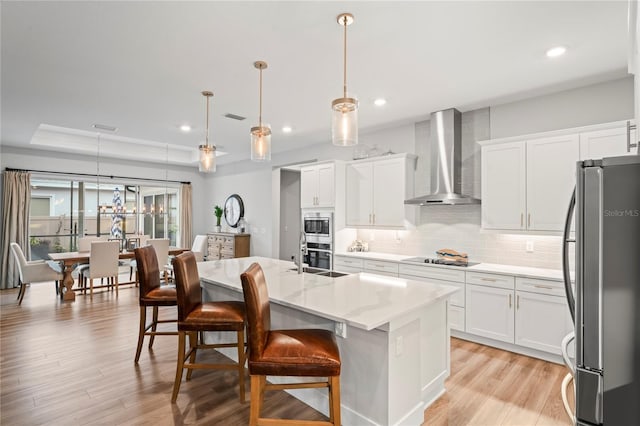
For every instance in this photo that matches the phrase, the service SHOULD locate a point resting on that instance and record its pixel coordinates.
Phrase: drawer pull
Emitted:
(545, 287)
(518, 302)
(509, 301)
(491, 280)
(379, 266)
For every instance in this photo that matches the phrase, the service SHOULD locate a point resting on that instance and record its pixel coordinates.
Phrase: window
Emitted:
(63, 210)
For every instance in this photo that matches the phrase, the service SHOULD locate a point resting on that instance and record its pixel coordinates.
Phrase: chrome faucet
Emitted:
(303, 251)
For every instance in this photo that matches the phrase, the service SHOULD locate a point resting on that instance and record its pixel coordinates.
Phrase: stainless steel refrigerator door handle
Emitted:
(565, 257)
(629, 144)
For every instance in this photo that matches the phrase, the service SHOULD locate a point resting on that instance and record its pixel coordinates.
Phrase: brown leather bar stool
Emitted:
(151, 294)
(308, 353)
(195, 317)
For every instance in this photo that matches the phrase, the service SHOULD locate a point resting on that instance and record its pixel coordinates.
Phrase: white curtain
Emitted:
(16, 202)
(186, 216)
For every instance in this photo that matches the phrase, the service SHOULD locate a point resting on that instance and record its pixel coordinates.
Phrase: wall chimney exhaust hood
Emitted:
(446, 165)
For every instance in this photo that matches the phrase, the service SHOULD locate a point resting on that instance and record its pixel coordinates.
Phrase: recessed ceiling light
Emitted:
(104, 127)
(287, 129)
(380, 102)
(185, 128)
(554, 52)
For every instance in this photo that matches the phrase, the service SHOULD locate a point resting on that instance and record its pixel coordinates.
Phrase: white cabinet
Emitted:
(381, 267)
(606, 143)
(376, 190)
(489, 312)
(503, 186)
(444, 276)
(542, 314)
(526, 185)
(551, 170)
(317, 185)
(347, 264)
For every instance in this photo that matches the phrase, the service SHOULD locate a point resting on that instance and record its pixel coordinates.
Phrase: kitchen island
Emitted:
(393, 334)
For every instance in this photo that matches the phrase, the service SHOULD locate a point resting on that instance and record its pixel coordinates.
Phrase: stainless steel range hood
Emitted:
(446, 168)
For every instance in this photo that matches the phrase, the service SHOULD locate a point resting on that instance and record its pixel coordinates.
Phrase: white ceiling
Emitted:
(140, 66)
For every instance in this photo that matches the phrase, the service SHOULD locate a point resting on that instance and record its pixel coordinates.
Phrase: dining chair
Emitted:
(199, 247)
(142, 241)
(302, 352)
(84, 245)
(34, 271)
(103, 263)
(196, 317)
(151, 294)
(161, 245)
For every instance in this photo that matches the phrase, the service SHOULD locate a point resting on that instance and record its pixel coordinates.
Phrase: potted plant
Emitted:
(217, 210)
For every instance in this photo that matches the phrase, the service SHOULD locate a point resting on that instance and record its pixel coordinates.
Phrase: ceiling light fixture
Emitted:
(261, 134)
(554, 52)
(185, 128)
(207, 152)
(380, 102)
(104, 127)
(344, 125)
(286, 129)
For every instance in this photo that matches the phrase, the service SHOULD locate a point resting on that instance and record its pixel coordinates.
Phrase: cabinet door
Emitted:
(489, 312)
(308, 186)
(605, 143)
(326, 185)
(542, 321)
(503, 186)
(359, 203)
(388, 193)
(551, 169)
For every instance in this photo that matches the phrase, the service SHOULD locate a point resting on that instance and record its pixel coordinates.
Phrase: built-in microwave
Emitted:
(318, 226)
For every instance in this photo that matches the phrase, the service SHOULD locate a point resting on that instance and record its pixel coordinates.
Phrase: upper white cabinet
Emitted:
(526, 185)
(503, 186)
(527, 181)
(607, 143)
(317, 185)
(376, 190)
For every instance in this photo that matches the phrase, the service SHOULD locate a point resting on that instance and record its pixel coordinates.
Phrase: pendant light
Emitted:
(207, 152)
(344, 123)
(260, 135)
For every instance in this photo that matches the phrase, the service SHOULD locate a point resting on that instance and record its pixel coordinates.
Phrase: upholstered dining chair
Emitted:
(199, 250)
(142, 241)
(306, 352)
(196, 317)
(103, 263)
(84, 245)
(34, 271)
(162, 252)
(152, 294)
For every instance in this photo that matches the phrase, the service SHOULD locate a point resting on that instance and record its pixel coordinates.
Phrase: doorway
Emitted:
(290, 214)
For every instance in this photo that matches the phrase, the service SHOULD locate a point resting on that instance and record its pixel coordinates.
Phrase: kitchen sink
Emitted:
(332, 274)
(323, 272)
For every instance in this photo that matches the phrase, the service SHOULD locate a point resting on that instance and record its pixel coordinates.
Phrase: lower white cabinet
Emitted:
(347, 264)
(381, 267)
(542, 321)
(489, 312)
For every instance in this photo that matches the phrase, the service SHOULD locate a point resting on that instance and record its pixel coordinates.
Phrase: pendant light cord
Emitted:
(207, 134)
(345, 56)
(260, 115)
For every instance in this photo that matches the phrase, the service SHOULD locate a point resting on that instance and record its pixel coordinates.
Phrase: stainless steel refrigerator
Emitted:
(606, 305)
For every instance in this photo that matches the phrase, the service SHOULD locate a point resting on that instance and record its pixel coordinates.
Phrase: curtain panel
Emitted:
(186, 216)
(16, 204)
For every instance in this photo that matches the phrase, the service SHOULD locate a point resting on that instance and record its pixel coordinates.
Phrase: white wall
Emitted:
(597, 103)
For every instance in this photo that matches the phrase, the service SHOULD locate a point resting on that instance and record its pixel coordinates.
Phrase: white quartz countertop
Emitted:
(362, 300)
(520, 271)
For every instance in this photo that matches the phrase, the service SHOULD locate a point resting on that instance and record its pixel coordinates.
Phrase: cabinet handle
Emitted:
(491, 280)
(521, 220)
(629, 144)
(545, 287)
(518, 302)
(370, 222)
(509, 301)
(529, 220)
(374, 218)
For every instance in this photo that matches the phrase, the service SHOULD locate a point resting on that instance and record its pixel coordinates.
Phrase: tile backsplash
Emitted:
(458, 228)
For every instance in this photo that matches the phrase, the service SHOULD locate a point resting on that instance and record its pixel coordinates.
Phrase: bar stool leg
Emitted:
(241, 364)
(257, 395)
(143, 326)
(193, 347)
(180, 366)
(153, 325)
(334, 400)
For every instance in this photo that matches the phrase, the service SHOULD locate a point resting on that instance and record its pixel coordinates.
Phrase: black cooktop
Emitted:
(435, 261)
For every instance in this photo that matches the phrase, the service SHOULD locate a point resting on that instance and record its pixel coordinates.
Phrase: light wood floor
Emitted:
(72, 364)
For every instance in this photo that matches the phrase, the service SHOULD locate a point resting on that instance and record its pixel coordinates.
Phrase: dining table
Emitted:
(70, 259)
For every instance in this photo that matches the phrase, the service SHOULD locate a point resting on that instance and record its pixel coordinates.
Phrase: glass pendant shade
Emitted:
(344, 122)
(261, 143)
(207, 159)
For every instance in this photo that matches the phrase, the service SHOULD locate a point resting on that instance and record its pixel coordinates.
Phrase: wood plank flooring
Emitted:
(72, 364)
